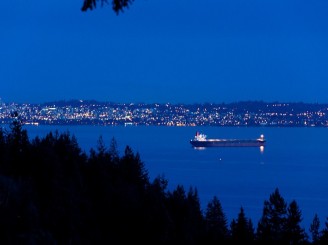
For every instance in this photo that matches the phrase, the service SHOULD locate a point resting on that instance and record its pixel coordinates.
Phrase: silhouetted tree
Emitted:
(270, 229)
(176, 204)
(294, 234)
(133, 168)
(101, 146)
(216, 223)
(242, 231)
(117, 5)
(323, 240)
(195, 221)
(314, 229)
(56, 183)
(18, 148)
(186, 216)
(113, 151)
(157, 216)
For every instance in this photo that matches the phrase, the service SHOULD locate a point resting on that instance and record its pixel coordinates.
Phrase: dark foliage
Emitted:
(242, 231)
(323, 238)
(271, 226)
(280, 223)
(51, 192)
(293, 233)
(216, 223)
(117, 5)
(314, 229)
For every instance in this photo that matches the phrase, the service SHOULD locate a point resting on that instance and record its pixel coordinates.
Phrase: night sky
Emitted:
(184, 51)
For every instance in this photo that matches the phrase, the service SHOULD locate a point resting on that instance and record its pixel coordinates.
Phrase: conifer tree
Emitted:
(294, 234)
(113, 151)
(314, 229)
(216, 222)
(16, 163)
(270, 229)
(133, 168)
(242, 231)
(176, 204)
(195, 218)
(323, 240)
(101, 147)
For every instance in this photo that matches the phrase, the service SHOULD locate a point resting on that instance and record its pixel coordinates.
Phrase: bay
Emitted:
(294, 160)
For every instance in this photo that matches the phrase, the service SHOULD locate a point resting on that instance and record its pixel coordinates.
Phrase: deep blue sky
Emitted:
(184, 51)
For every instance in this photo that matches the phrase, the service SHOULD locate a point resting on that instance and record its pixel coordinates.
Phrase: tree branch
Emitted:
(117, 5)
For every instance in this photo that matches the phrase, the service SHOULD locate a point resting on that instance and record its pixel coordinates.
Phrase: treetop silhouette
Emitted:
(117, 5)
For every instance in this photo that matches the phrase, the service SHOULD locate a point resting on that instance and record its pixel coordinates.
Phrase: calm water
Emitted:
(294, 160)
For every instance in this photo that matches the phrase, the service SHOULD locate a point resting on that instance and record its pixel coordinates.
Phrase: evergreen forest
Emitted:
(51, 192)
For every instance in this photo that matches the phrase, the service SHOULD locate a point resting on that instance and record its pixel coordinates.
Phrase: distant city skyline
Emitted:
(109, 113)
(165, 52)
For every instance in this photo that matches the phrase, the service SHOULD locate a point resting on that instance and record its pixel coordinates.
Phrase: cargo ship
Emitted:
(200, 140)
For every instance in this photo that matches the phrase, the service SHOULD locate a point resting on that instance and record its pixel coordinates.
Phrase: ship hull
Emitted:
(227, 143)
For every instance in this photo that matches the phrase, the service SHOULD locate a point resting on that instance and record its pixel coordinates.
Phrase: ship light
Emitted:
(261, 148)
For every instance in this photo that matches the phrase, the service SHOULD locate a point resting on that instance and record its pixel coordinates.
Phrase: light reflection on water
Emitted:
(262, 149)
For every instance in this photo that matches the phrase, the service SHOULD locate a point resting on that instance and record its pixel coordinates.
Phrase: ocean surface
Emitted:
(294, 160)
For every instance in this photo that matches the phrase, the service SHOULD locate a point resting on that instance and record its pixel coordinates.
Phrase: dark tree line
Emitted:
(51, 192)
